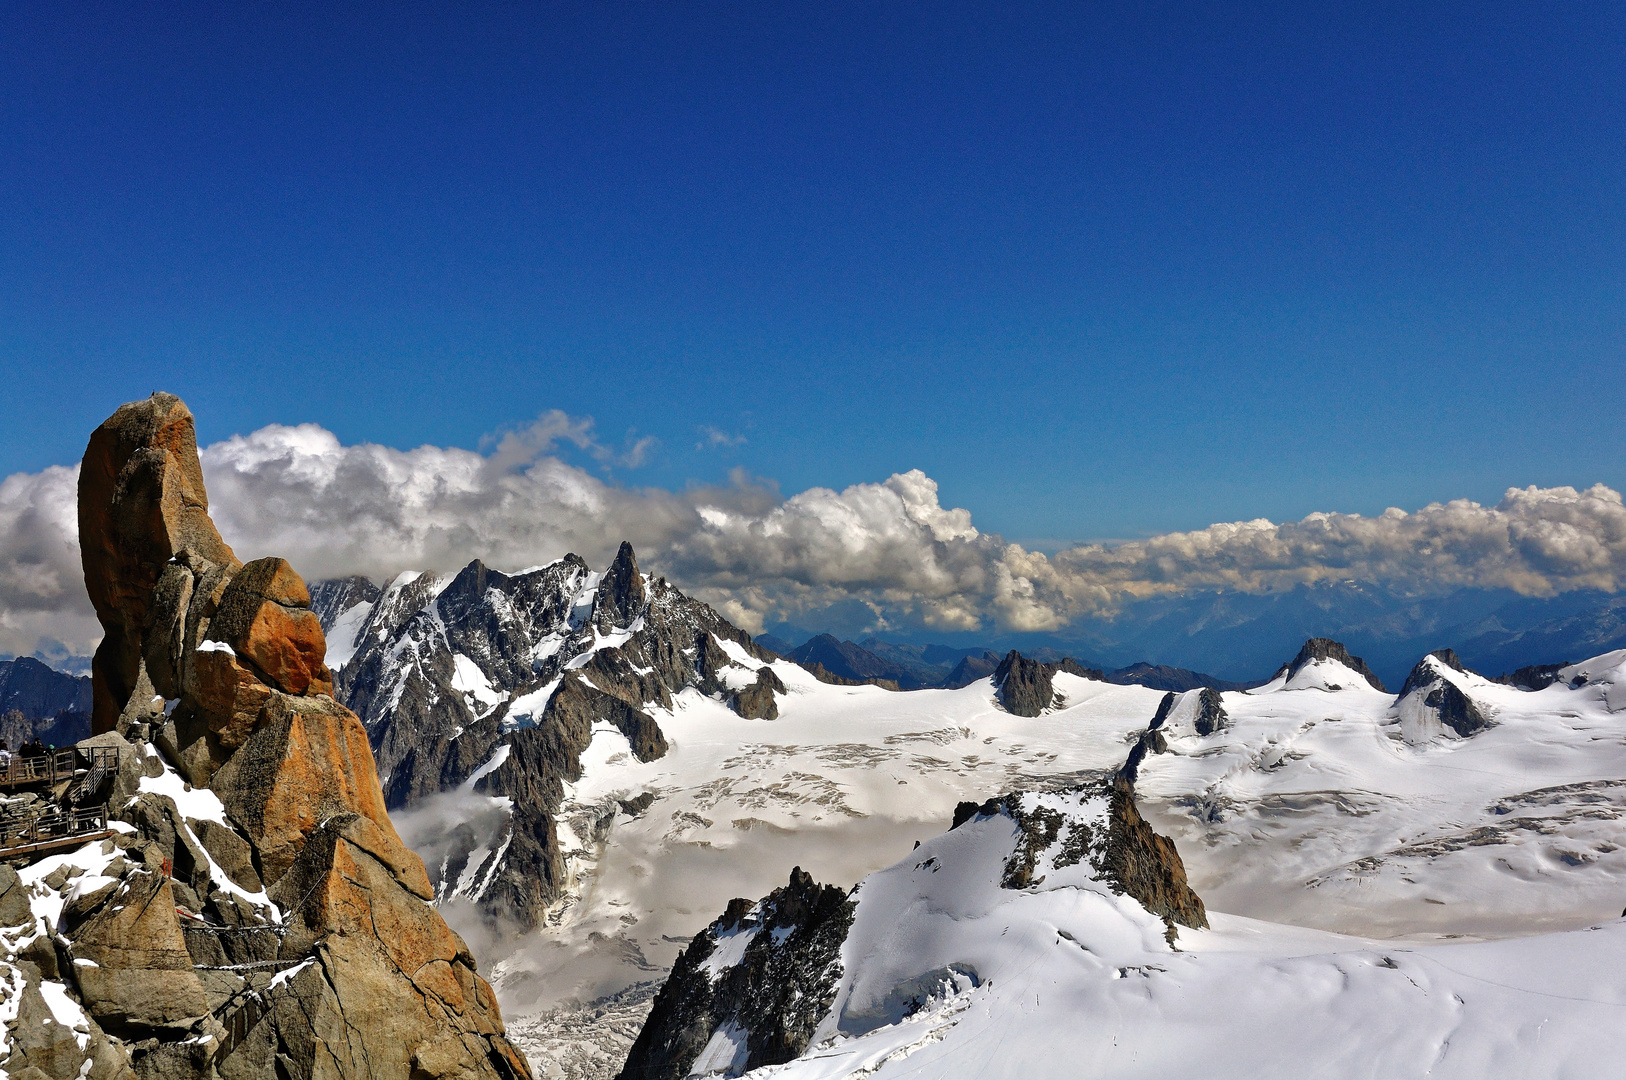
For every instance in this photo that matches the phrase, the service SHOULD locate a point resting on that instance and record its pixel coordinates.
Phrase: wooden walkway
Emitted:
(54, 766)
(40, 829)
(69, 777)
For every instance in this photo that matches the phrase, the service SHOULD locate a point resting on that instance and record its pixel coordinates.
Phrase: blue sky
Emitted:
(1101, 271)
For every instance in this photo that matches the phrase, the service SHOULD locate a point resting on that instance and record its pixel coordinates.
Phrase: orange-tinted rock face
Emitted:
(378, 950)
(228, 696)
(264, 614)
(308, 760)
(242, 651)
(141, 504)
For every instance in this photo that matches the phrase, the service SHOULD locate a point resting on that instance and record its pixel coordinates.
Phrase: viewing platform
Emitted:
(45, 813)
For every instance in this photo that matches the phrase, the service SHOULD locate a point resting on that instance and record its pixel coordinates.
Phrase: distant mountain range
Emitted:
(37, 701)
(919, 667)
(1242, 636)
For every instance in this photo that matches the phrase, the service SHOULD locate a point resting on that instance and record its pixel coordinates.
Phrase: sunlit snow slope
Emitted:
(1460, 810)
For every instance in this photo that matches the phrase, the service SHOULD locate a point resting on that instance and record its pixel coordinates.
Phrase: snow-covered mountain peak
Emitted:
(501, 682)
(1324, 664)
(1605, 675)
(1442, 699)
(1010, 882)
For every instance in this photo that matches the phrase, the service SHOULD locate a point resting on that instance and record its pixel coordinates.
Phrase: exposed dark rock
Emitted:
(525, 633)
(1146, 864)
(1210, 712)
(1457, 710)
(1131, 857)
(1454, 708)
(756, 702)
(1533, 676)
(636, 806)
(1422, 674)
(1328, 649)
(1150, 742)
(1024, 687)
(621, 595)
(774, 997)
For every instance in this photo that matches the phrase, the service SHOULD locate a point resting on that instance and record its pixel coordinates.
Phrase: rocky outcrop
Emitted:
(750, 989)
(257, 779)
(1533, 676)
(1026, 687)
(1431, 698)
(1118, 844)
(1210, 712)
(757, 701)
(142, 511)
(1327, 649)
(1424, 672)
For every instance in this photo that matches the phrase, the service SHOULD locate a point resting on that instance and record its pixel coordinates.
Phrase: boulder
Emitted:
(14, 906)
(264, 614)
(141, 504)
(230, 852)
(139, 981)
(43, 1049)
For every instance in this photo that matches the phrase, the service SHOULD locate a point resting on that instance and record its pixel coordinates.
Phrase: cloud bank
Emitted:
(891, 546)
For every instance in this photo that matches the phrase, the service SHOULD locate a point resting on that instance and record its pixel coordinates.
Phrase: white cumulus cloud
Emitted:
(891, 546)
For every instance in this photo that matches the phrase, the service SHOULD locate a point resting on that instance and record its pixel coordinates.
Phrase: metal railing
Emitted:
(90, 763)
(48, 768)
(36, 827)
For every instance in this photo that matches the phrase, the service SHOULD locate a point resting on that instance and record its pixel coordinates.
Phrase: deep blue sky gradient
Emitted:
(1102, 270)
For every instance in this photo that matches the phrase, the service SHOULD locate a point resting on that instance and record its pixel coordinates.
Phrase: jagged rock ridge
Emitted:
(496, 681)
(1027, 687)
(759, 984)
(750, 989)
